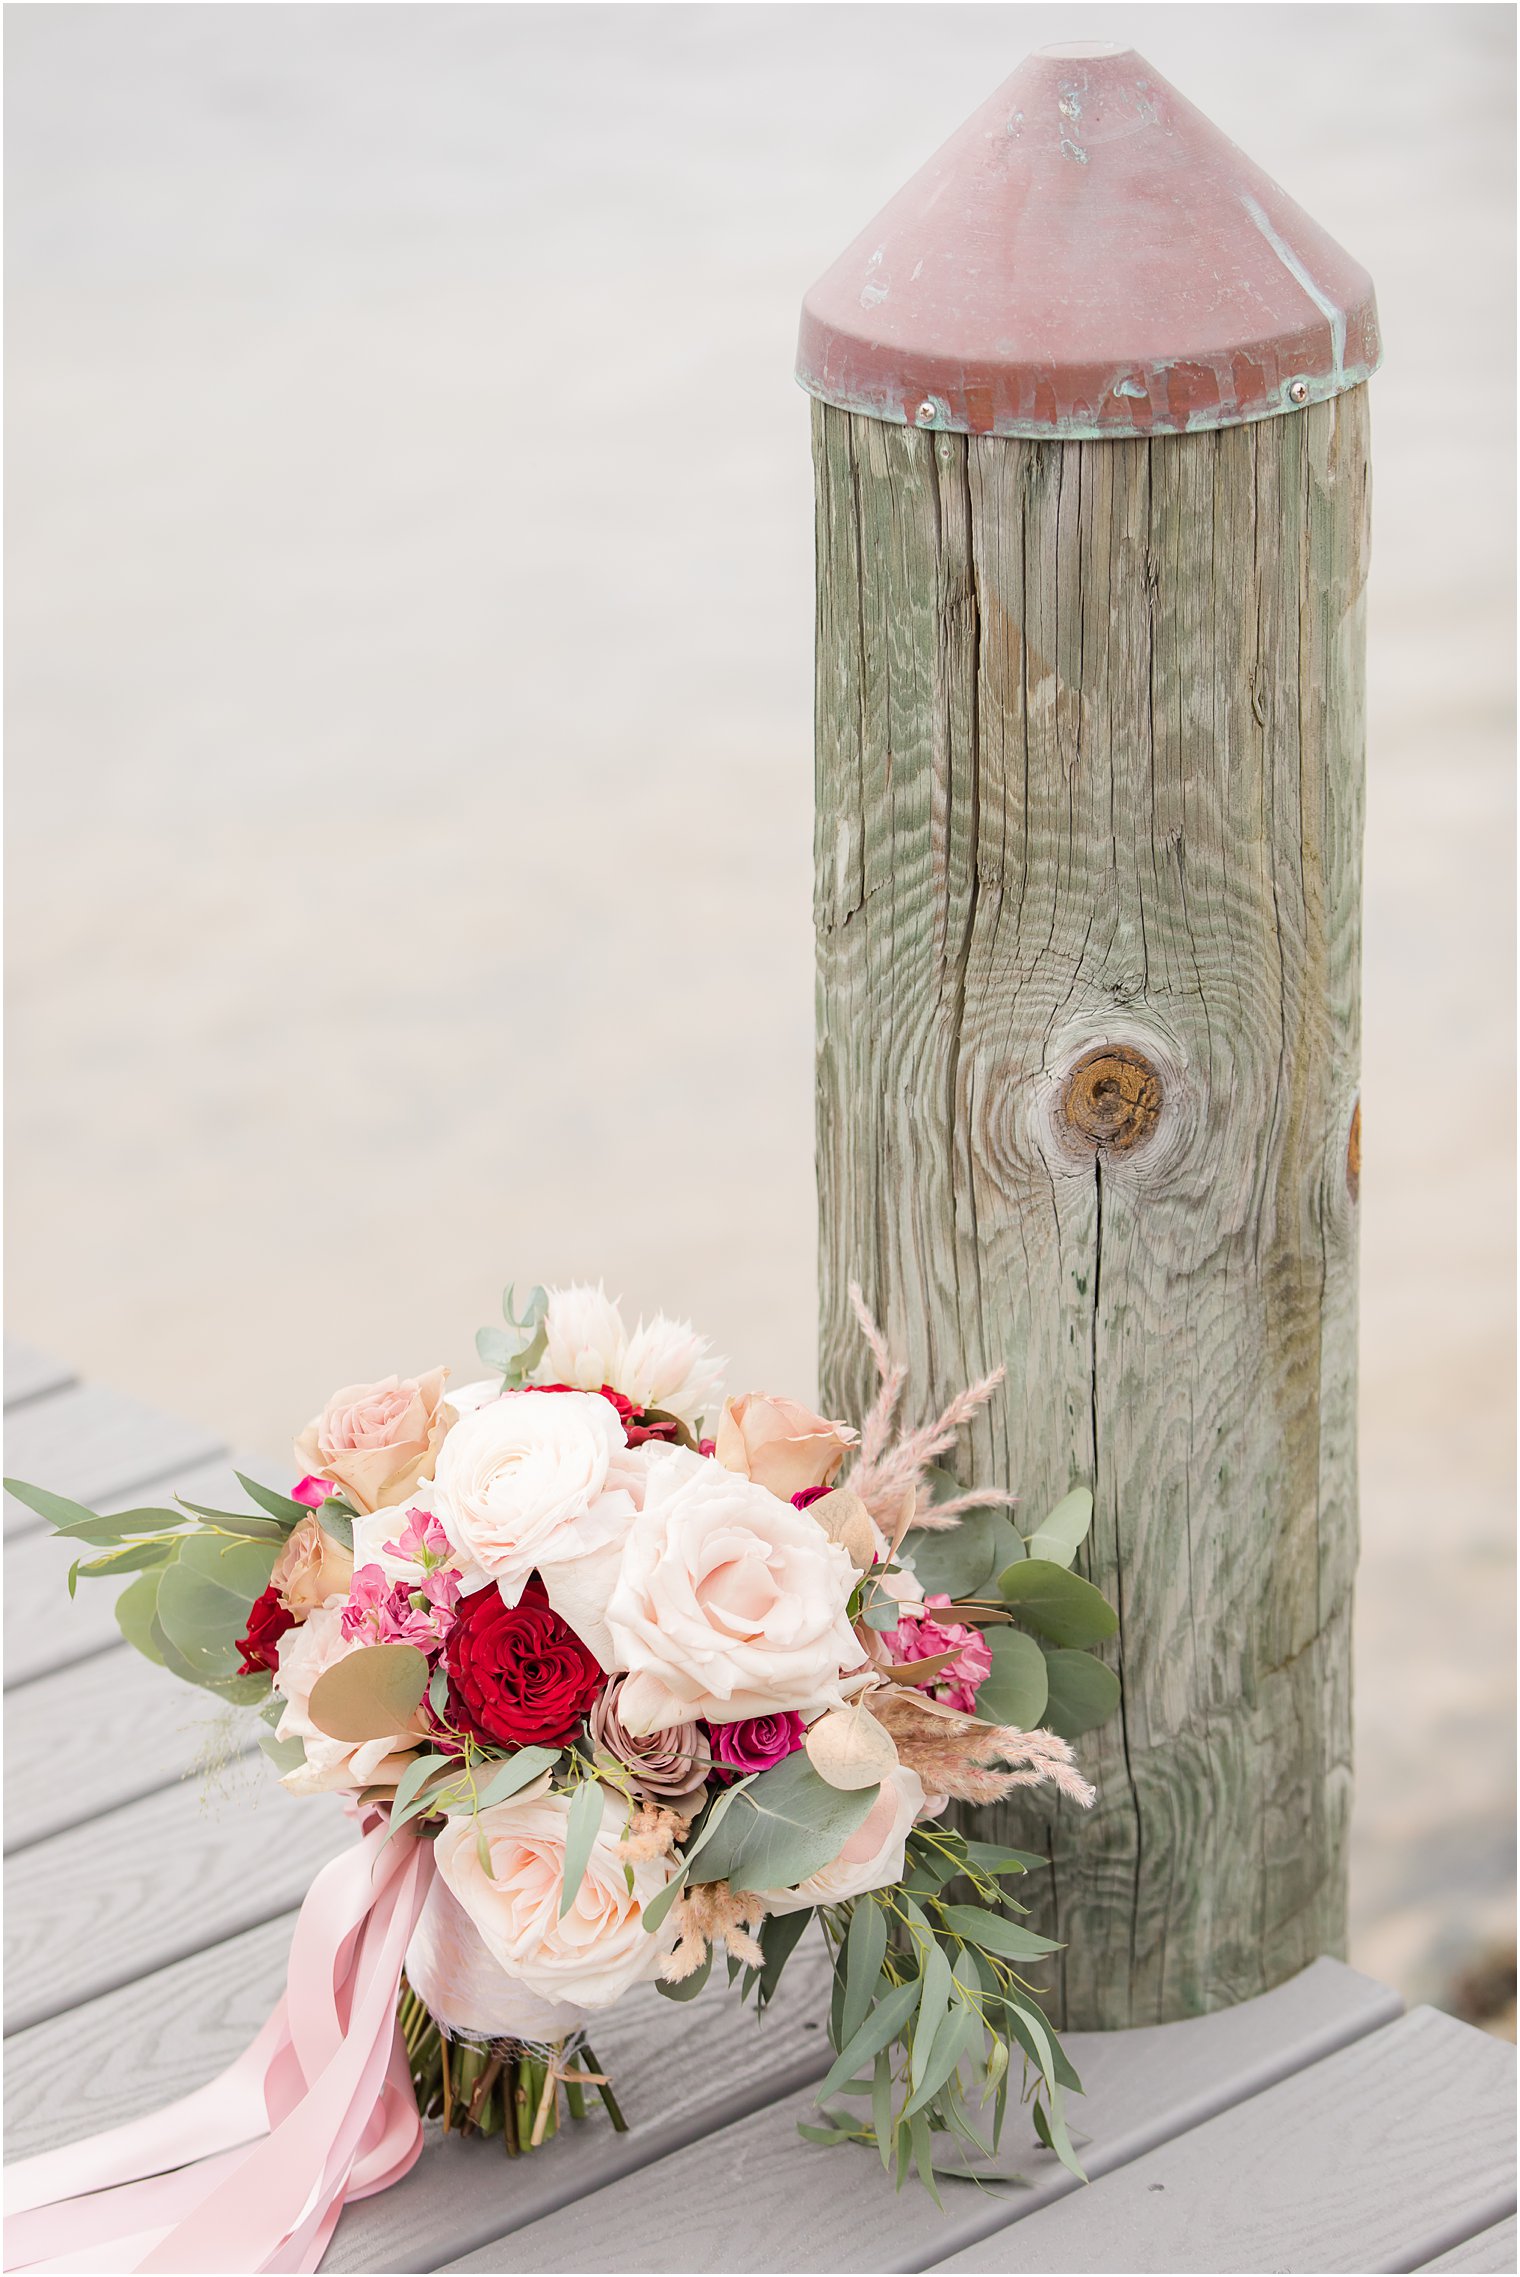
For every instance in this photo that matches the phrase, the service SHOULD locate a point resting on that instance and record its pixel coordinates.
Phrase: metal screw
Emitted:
(1299, 391)
(926, 414)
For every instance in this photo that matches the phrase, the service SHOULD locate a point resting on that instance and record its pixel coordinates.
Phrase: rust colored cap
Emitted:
(1088, 256)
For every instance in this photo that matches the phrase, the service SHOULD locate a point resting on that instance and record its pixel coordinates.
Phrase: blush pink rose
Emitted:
(780, 1444)
(375, 1441)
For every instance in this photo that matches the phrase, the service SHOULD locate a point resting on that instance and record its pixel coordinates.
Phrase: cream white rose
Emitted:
(586, 1338)
(669, 1366)
(536, 1479)
(305, 1653)
(874, 1855)
(729, 1603)
(601, 1948)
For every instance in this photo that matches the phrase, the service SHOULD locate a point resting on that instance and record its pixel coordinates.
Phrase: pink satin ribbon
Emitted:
(251, 2172)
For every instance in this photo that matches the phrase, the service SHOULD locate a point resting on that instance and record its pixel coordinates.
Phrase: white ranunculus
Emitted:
(669, 1366)
(872, 1858)
(374, 1528)
(601, 1948)
(586, 1339)
(537, 1478)
(730, 1603)
(305, 1653)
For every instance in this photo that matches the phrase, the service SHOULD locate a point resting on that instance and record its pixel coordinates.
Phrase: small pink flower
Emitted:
(385, 1612)
(312, 1491)
(918, 1636)
(423, 1541)
(754, 1744)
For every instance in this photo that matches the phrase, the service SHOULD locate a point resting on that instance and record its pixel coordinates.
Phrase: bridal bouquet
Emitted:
(638, 1697)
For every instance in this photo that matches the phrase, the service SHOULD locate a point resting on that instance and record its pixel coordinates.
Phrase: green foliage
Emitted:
(517, 1349)
(961, 1561)
(581, 1830)
(1059, 1537)
(1084, 1692)
(1059, 1606)
(930, 2007)
(779, 1827)
(1015, 1692)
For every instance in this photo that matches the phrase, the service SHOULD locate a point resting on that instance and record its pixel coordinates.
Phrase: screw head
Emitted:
(926, 413)
(1299, 391)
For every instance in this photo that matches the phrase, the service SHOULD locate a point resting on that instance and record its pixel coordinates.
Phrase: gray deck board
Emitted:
(44, 1629)
(172, 1874)
(1491, 2250)
(1379, 2158)
(29, 1373)
(175, 1730)
(808, 2208)
(87, 1440)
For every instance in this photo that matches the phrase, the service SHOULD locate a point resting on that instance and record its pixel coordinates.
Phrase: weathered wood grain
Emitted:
(682, 2070)
(29, 1373)
(1491, 2249)
(87, 1440)
(807, 2208)
(1089, 765)
(134, 2050)
(132, 1729)
(92, 1908)
(1378, 2158)
(44, 1630)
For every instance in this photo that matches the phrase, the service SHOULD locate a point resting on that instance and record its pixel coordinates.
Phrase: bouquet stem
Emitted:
(482, 2087)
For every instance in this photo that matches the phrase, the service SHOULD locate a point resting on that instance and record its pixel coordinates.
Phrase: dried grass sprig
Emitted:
(888, 1476)
(653, 1832)
(955, 1754)
(713, 1914)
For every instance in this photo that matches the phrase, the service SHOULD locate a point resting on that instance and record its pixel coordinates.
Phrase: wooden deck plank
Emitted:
(134, 2050)
(175, 1730)
(87, 1441)
(168, 1876)
(29, 1373)
(1491, 2250)
(810, 2209)
(44, 1631)
(1379, 2158)
(682, 2070)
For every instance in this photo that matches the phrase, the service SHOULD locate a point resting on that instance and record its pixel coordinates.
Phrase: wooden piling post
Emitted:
(1091, 450)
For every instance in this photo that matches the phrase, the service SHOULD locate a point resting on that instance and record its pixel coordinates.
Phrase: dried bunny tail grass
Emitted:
(653, 1832)
(888, 1478)
(713, 1914)
(954, 1754)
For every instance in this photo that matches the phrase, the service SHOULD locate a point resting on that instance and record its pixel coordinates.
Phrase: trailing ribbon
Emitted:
(250, 2173)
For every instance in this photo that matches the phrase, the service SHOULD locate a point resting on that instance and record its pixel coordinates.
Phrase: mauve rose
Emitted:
(377, 1440)
(754, 1745)
(268, 1621)
(518, 1674)
(311, 1568)
(781, 1444)
(664, 1766)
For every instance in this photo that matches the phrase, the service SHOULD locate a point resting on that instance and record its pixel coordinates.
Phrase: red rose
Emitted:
(666, 1427)
(518, 1674)
(268, 1620)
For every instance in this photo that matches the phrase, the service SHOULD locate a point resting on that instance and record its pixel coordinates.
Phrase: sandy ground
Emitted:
(409, 612)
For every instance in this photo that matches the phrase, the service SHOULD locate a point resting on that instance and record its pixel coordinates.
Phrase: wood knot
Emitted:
(1354, 1153)
(1112, 1098)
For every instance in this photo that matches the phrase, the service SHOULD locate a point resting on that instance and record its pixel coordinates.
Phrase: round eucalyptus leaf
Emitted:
(1015, 1691)
(1084, 1693)
(1058, 1605)
(963, 1559)
(369, 1694)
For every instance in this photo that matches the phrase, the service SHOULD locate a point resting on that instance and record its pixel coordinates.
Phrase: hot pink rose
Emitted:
(755, 1744)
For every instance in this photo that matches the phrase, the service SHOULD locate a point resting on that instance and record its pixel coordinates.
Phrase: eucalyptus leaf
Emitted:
(135, 1609)
(865, 1948)
(204, 1597)
(781, 1827)
(57, 1509)
(411, 1783)
(662, 1901)
(961, 1560)
(1084, 1692)
(881, 2106)
(992, 1858)
(370, 1694)
(240, 1522)
(284, 1754)
(1015, 1691)
(1059, 1605)
(133, 1557)
(884, 2024)
(519, 1771)
(587, 1805)
(336, 1518)
(959, 2033)
(933, 2003)
(995, 1933)
(1061, 1535)
(284, 1507)
(779, 1937)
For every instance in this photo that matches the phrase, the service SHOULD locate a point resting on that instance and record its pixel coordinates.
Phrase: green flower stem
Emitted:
(575, 2099)
(605, 2092)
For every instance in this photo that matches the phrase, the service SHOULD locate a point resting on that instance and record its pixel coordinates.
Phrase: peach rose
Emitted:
(780, 1444)
(374, 1441)
(311, 1568)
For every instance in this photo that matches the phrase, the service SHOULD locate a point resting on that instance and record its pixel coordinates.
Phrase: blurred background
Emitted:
(408, 701)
